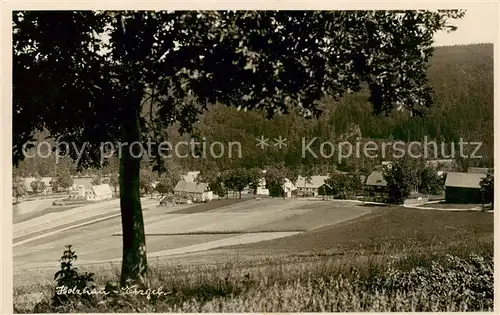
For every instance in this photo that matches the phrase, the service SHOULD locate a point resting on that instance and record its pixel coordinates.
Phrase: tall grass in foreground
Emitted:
(344, 283)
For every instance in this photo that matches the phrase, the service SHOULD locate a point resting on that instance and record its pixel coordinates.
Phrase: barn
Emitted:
(463, 187)
(194, 191)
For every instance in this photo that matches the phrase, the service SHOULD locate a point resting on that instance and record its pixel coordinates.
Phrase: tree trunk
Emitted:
(240, 194)
(134, 262)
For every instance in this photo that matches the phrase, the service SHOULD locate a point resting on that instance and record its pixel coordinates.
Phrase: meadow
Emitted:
(393, 259)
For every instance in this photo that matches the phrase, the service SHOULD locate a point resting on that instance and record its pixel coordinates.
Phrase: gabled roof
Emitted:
(464, 180)
(376, 178)
(315, 182)
(102, 190)
(191, 187)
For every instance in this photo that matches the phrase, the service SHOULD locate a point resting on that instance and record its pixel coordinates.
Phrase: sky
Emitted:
(478, 26)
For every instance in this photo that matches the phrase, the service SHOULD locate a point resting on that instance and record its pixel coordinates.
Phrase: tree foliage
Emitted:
(254, 178)
(238, 179)
(167, 181)
(146, 180)
(402, 177)
(276, 176)
(18, 187)
(488, 187)
(114, 180)
(209, 173)
(430, 182)
(97, 179)
(38, 186)
(343, 186)
(62, 180)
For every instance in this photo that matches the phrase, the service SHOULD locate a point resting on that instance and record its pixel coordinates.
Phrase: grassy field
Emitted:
(53, 209)
(393, 259)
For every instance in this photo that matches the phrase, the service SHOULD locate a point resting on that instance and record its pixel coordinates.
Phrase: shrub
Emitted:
(70, 285)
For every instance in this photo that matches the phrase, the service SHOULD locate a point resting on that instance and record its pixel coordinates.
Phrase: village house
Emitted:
(375, 183)
(194, 191)
(463, 187)
(98, 192)
(310, 187)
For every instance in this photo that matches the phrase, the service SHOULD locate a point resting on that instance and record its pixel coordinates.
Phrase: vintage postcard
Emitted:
(233, 158)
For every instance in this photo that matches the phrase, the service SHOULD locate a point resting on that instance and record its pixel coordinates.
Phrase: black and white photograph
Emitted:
(251, 161)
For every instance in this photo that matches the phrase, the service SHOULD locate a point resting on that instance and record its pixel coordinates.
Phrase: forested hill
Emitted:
(462, 78)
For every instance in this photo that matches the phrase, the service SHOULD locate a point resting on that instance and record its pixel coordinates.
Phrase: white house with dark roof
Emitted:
(310, 187)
